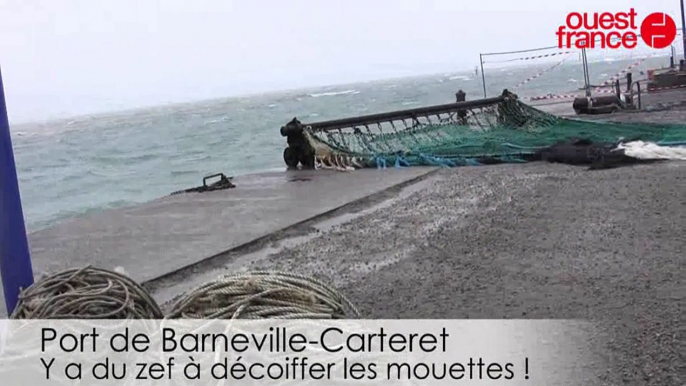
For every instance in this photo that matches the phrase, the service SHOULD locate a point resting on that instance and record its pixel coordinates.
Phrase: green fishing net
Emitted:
(507, 130)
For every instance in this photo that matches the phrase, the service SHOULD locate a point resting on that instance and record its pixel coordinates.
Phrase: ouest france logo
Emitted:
(615, 30)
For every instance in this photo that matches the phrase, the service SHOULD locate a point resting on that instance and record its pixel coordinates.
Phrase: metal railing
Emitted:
(414, 113)
(631, 92)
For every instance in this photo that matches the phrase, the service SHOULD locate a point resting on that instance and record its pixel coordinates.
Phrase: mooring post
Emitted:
(460, 96)
(15, 261)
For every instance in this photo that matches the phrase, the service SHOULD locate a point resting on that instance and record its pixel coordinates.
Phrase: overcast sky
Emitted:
(67, 57)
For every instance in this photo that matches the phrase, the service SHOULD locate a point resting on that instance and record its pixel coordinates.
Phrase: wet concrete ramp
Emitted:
(170, 233)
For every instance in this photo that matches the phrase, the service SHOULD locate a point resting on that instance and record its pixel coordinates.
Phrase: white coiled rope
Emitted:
(264, 295)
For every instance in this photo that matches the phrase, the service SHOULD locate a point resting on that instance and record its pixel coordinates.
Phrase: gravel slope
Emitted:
(526, 241)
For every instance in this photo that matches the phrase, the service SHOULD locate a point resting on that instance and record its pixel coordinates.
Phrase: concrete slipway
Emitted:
(153, 240)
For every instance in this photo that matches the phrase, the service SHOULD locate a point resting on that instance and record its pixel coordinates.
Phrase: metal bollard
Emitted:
(461, 96)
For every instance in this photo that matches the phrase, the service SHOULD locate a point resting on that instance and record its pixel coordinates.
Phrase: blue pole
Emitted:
(15, 261)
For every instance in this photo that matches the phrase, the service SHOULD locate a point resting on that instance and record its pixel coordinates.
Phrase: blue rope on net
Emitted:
(436, 161)
(400, 162)
(513, 146)
(471, 162)
(380, 162)
(511, 158)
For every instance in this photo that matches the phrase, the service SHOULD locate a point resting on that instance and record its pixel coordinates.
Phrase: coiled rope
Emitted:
(264, 295)
(86, 293)
(93, 293)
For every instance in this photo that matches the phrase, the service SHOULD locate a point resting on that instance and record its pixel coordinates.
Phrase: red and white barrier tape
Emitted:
(541, 73)
(623, 72)
(531, 57)
(605, 91)
(666, 88)
(602, 91)
(568, 96)
(553, 96)
(545, 56)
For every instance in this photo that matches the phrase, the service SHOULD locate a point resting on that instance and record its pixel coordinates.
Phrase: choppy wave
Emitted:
(175, 173)
(102, 161)
(334, 93)
(219, 120)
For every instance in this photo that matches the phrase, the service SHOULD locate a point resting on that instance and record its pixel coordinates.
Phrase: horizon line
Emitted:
(126, 111)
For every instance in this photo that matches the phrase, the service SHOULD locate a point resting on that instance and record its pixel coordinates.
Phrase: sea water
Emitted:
(87, 164)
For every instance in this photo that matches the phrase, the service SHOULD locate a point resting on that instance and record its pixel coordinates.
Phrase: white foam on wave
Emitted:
(218, 120)
(650, 150)
(572, 80)
(459, 77)
(333, 93)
